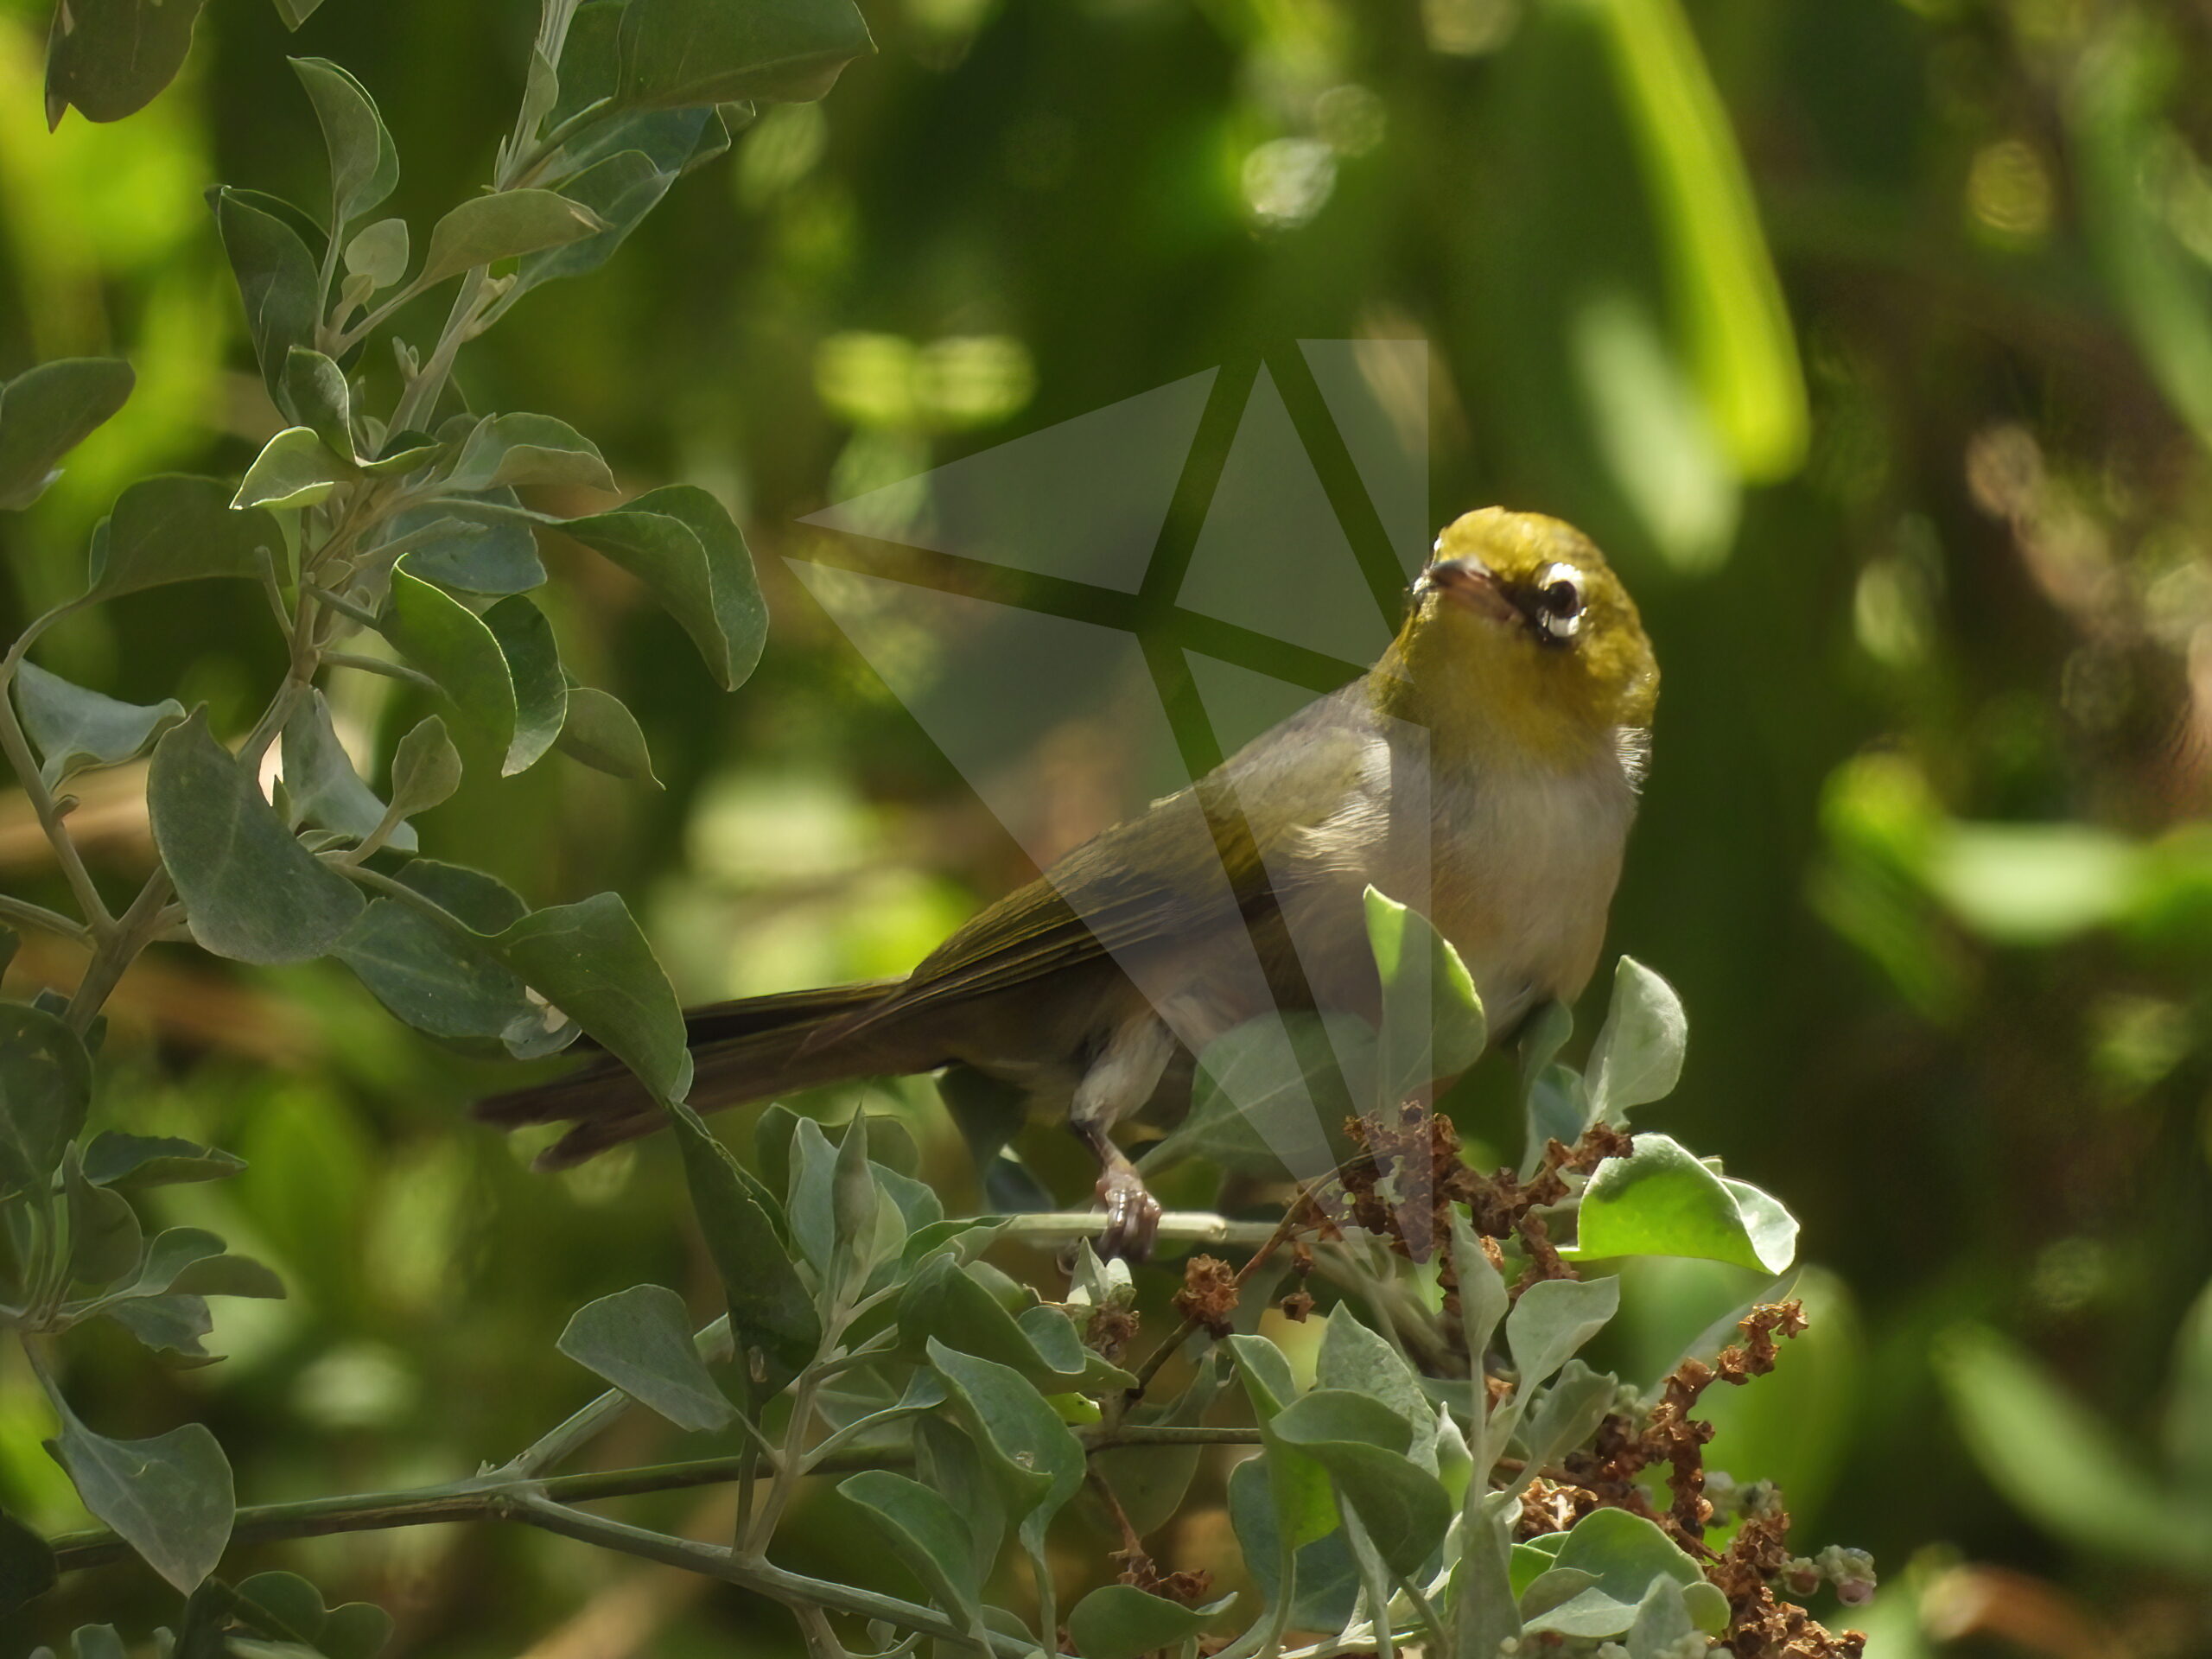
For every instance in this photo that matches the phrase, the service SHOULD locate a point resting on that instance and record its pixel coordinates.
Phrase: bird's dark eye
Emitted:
(1557, 613)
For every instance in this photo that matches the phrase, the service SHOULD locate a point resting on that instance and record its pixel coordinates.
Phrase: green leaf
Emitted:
(1659, 1200)
(170, 1324)
(442, 544)
(46, 1083)
(1625, 1554)
(679, 53)
(277, 281)
(501, 227)
(97, 1642)
(854, 1206)
(639, 1340)
(510, 449)
(1361, 1442)
(1037, 1462)
(425, 768)
(1119, 1621)
(1269, 1095)
(451, 643)
(380, 252)
(592, 963)
(282, 1605)
(363, 165)
(110, 57)
(174, 528)
(104, 1236)
(1638, 1056)
(169, 1497)
(2186, 1429)
(447, 984)
(680, 543)
(533, 657)
(2064, 1468)
(1327, 1576)
(321, 783)
(47, 411)
(1304, 1509)
(928, 1535)
(944, 1301)
(772, 1314)
(26, 1565)
(1433, 1022)
(294, 469)
(1552, 1321)
(621, 189)
(295, 13)
(601, 732)
(1565, 1415)
(76, 729)
(132, 1163)
(250, 892)
(322, 400)
(1352, 1357)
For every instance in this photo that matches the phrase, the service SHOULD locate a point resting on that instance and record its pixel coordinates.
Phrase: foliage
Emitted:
(1915, 847)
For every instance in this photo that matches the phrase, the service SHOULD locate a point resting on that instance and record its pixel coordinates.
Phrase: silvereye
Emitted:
(1484, 771)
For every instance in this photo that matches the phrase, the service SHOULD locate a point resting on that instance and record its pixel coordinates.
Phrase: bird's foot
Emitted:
(1132, 1214)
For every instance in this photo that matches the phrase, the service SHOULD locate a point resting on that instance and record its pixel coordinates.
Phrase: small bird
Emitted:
(1485, 771)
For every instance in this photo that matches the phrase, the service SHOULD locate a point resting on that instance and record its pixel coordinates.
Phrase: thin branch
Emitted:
(377, 666)
(493, 1496)
(47, 921)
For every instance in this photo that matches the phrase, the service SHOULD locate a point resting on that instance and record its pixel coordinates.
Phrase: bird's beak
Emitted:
(1466, 582)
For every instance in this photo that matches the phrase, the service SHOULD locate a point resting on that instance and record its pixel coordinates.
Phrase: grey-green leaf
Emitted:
(174, 527)
(591, 961)
(679, 541)
(47, 411)
(924, 1531)
(322, 399)
(451, 643)
(501, 227)
(1433, 1022)
(169, 1497)
(1119, 1621)
(524, 448)
(133, 1162)
(1037, 1462)
(640, 1340)
(379, 251)
(103, 1235)
(1638, 1057)
(363, 165)
(603, 733)
(76, 729)
(1271, 1094)
(294, 468)
(533, 657)
(425, 768)
(771, 1312)
(679, 53)
(321, 783)
(278, 282)
(252, 892)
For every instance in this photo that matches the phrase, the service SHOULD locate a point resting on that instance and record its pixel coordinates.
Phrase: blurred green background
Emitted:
(1872, 340)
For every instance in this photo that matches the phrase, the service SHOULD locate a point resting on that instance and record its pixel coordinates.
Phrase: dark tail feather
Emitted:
(743, 1051)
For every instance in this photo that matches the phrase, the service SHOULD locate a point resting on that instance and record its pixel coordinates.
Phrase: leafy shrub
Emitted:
(1455, 1474)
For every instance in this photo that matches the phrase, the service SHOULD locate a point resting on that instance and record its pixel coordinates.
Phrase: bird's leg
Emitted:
(1119, 1080)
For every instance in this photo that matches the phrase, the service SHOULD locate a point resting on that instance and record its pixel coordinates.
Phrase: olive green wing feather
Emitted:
(1222, 848)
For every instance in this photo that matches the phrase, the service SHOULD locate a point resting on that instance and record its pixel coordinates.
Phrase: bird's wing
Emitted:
(1224, 848)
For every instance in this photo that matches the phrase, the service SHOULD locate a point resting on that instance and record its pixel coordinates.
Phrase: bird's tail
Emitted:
(742, 1052)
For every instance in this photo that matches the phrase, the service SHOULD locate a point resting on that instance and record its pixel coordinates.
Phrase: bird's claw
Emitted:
(1132, 1216)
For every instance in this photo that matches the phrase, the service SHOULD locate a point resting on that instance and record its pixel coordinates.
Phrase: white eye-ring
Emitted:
(1558, 610)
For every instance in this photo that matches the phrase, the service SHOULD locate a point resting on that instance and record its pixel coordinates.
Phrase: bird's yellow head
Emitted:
(1521, 647)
